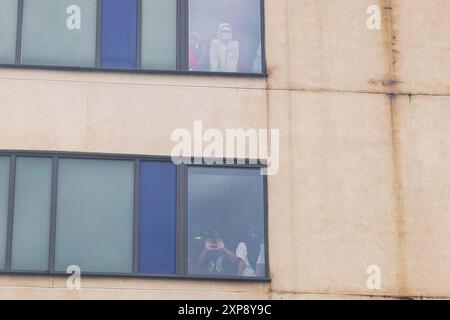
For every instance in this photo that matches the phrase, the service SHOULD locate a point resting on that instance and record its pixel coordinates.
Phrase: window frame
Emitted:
(182, 45)
(181, 213)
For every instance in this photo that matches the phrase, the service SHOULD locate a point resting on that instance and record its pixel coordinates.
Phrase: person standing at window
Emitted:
(224, 51)
(257, 63)
(197, 52)
(251, 255)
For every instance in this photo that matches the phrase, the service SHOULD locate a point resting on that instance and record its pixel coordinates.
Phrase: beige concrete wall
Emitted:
(364, 118)
(357, 191)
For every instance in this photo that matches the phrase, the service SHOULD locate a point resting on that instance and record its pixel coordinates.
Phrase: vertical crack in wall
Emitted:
(389, 30)
(398, 197)
(390, 83)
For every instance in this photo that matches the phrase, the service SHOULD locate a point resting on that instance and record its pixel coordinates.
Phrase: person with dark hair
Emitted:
(251, 255)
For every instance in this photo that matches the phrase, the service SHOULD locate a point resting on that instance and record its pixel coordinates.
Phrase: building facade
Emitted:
(95, 96)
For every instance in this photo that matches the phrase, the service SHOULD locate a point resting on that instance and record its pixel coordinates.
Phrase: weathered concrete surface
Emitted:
(424, 46)
(424, 141)
(324, 45)
(61, 113)
(332, 204)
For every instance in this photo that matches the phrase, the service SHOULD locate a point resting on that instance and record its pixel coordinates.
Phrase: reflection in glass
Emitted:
(226, 222)
(225, 36)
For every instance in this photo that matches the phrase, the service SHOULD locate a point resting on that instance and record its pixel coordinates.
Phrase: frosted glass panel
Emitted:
(95, 215)
(159, 34)
(32, 206)
(59, 32)
(4, 189)
(8, 27)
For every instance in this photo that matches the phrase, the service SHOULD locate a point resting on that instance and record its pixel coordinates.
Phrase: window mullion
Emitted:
(52, 243)
(182, 35)
(137, 191)
(19, 32)
(10, 223)
(182, 219)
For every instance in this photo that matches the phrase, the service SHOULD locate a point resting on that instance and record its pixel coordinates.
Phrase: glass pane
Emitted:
(61, 33)
(94, 228)
(4, 190)
(119, 34)
(159, 34)
(226, 222)
(32, 205)
(8, 27)
(157, 218)
(225, 35)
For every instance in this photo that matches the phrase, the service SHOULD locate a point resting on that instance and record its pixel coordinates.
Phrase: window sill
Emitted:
(139, 276)
(136, 71)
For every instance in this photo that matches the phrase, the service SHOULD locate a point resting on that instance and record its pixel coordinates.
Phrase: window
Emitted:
(94, 226)
(157, 249)
(159, 34)
(119, 33)
(225, 36)
(197, 36)
(122, 215)
(32, 213)
(4, 191)
(59, 33)
(8, 26)
(226, 222)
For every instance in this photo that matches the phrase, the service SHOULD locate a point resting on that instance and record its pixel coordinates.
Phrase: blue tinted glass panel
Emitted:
(119, 27)
(157, 226)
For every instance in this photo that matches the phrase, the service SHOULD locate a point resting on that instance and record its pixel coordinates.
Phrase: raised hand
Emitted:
(208, 244)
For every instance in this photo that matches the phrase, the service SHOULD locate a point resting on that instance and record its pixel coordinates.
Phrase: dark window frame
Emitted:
(182, 46)
(181, 214)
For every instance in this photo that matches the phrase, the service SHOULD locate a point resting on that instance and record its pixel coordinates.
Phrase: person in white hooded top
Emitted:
(224, 51)
(251, 255)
